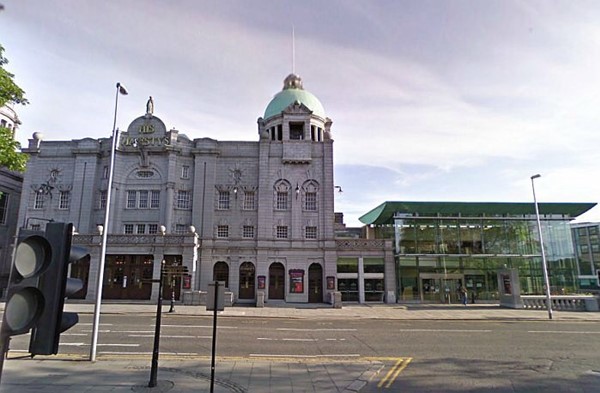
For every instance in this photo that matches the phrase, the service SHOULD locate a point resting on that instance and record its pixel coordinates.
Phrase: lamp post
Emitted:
(115, 136)
(544, 265)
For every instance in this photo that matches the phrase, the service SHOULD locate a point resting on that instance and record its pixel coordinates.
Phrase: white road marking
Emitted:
(74, 334)
(99, 331)
(166, 336)
(132, 331)
(90, 324)
(199, 326)
(100, 345)
(148, 353)
(316, 330)
(445, 330)
(340, 355)
(560, 332)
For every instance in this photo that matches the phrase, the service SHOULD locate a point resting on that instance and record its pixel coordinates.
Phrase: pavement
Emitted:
(62, 374)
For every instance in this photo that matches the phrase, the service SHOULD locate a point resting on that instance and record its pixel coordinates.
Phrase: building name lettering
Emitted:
(147, 129)
(145, 141)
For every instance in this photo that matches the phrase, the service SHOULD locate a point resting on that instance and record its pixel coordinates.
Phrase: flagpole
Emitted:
(100, 279)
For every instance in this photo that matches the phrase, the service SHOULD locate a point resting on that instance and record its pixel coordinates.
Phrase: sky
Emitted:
(430, 100)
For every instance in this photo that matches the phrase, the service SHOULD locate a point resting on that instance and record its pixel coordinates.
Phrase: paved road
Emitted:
(439, 355)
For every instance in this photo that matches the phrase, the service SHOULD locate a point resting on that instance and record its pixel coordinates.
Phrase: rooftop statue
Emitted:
(150, 106)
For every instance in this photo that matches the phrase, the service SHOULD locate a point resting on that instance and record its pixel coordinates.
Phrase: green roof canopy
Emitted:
(384, 213)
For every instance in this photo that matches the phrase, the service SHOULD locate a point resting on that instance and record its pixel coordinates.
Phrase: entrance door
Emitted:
(440, 288)
(276, 281)
(315, 283)
(247, 272)
(124, 277)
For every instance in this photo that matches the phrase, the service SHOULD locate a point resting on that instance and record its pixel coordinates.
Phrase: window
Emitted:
(221, 273)
(296, 131)
(310, 201)
(128, 229)
(3, 207)
(143, 199)
(155, 199)
(310, 232)
(281, 202)
(105, 172)
(38, 203)
(131, 199)
(223, 200)
(152, 229)
(184, 199)
(248, 232)
(185, 172)
(181, 229)
(36, 227)
(102, 202)
(141, 229)
(282, 232)
(64, 199)
(249, 203)
(223, 231)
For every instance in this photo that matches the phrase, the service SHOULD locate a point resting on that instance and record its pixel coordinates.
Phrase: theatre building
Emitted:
(257, 215)
(439, 246)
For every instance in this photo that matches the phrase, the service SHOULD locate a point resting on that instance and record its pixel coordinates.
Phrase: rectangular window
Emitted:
(141, 229)
(282, 232)
(222, 231)
(310, 201)
(296, 131)
(249, 203)
(181, 229)
(248, 232)
(38, 203)
(281, 202)
(64, 199)
(223, 200)
(105, 172)
(35, 227)
(131, 199)
(152, 229)
(102, 202)
(184, 199)
(185, 172)
(128, 229)
(3, 207)
(143, 199)
(310, 232)
(155, 199)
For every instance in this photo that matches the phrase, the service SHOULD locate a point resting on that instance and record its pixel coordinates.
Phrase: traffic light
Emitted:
(55, 286)
(38, 285)
(25, 301)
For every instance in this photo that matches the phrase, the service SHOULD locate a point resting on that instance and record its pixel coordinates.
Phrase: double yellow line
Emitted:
(391, 376)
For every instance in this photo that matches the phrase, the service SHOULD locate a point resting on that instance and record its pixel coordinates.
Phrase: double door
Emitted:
(440, 288)
(125, 275)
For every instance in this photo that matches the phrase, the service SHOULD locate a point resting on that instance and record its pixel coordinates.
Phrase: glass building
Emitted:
(439, 246)
(587, 251)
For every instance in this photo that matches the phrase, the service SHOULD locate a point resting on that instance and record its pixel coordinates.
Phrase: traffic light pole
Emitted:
(4, 343)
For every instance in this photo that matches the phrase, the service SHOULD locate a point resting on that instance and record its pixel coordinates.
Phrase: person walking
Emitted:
(463, 295)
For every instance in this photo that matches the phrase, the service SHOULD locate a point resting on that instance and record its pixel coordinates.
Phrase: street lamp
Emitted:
(544, 265)
(115, 135)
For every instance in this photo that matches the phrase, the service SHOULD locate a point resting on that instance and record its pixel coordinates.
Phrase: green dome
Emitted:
(293, 92)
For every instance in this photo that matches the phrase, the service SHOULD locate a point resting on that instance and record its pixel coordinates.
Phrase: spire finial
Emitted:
(293, 50)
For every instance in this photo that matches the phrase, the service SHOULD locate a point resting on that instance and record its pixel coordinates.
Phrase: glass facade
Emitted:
(587, 252)
(436, 255)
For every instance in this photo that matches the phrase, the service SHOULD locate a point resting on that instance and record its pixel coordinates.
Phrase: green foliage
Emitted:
(10, 157)
(9, 91)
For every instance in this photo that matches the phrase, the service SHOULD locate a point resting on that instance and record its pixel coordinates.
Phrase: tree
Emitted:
(10, 93)
(10, 157)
